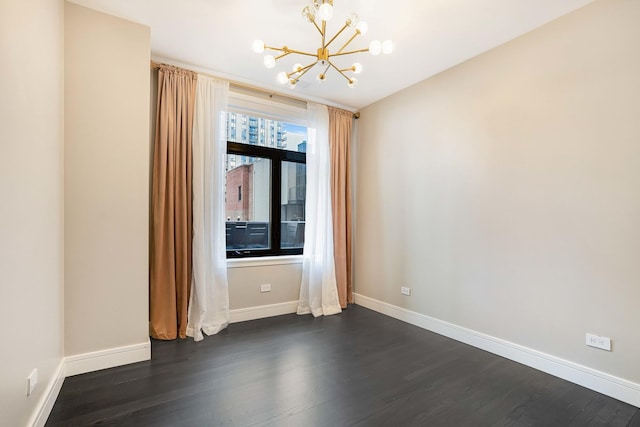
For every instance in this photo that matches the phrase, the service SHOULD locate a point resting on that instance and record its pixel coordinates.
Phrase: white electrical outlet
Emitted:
(599, 342)
(405, 291)
(265, 287)
(32, 381)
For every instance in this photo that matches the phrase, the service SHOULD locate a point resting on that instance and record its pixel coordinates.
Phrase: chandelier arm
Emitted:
(274, 48)
(299, 52)
(279, 49)
(349, 41)
(307, 68)
(289, 75)
(337, 34)
(324, 31)
(318, 28)
(349, 52)
(339, 71)
(287, 52)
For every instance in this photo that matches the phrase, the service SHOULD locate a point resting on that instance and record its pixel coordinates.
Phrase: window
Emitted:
(268, 216)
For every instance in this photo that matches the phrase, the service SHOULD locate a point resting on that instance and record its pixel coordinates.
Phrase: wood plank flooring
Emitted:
(359, 368)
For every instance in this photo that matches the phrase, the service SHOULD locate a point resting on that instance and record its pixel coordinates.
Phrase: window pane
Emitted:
(265, 132)
(247, 202)
(294, 193)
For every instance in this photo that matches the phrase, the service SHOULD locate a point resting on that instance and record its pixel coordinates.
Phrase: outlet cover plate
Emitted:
(32, 381)
(596, 341)
(265, 287)
(405, 291)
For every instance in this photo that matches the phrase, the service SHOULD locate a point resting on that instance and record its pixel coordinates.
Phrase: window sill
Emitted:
(263, 261)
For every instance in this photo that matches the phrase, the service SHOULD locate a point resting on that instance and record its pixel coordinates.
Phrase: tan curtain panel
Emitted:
(340, 131)
(171, 204)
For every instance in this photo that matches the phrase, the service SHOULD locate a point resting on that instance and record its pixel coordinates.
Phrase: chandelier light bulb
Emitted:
(292, 83)
(387, 46)
(269, 61)
(375, 47)
(296, 68)
(362, 28)
(353, 82)
(352, 20)
(258, 46)
(283, 77)
(357, 68)
(325, 12)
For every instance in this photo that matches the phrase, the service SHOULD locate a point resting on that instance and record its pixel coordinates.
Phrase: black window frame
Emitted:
(277, 156)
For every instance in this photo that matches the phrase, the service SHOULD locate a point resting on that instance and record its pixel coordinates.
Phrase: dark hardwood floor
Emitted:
(359, 368)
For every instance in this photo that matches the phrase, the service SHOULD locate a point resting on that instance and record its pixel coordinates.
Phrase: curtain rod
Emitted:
(270, 94)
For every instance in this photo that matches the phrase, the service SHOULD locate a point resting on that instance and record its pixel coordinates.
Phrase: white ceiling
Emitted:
(430, 36)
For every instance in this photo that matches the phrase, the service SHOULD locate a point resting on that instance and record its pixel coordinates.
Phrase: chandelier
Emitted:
(322, 10)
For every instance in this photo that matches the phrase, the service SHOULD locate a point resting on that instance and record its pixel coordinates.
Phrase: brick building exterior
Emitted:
(239, 200)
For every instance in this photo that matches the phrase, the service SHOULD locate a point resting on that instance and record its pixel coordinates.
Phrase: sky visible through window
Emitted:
(295, 135)
(295, 129)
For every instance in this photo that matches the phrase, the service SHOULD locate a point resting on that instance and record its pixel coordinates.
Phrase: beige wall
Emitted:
(106, 181)
(504, 191)
(31, 198)
(245, 281)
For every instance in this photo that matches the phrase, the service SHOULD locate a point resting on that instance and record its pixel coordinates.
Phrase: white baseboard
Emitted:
(103, 359)
(262, 311)
(593, 379)
(45, 404)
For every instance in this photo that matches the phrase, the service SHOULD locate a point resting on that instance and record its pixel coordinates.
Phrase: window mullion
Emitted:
(276, 187)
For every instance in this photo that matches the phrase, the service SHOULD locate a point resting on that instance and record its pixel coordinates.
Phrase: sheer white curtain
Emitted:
(209, 301)
(318, 291)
